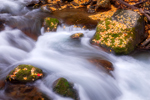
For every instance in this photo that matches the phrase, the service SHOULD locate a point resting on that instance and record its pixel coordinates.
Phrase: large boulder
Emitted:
(50, 24)
(24, 92)
(24, 74)
(121, 33)
(62, 87)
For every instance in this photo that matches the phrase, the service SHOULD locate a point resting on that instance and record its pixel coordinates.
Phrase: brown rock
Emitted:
(2, 84)
(104, 63)
(24, 92)
(77, 35)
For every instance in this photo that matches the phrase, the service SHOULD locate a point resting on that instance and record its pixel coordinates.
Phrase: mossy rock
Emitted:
(24, 74)
(121, 33)
(77, 35)
(64, 88)
(50, 24)
(24, 92)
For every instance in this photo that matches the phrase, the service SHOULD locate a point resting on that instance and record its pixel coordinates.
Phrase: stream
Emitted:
(60, 56)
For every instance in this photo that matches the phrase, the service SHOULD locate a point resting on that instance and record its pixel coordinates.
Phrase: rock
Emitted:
(82, 3)
(104, 63)
(103, 4)
(99, 3)
(50, 24)
(121, 33)
(43, 1)
(74, 3)
(24, 74)
(46, 9)
(77, 35)
(2, 84)
(1, 25)
(64, 88)
(24, 92)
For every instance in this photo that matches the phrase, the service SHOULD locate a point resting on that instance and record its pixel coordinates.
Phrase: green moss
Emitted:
(51, 23)
(97, 36)
(107, 22)
(24, 73)
(64, 88)
(127, 33)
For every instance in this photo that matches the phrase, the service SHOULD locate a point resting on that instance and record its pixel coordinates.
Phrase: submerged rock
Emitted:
(24, 74)
(24, 92)
(121, 33)
(104, 63)
(1, 25)
(64, 88)
(2, 84)
(50, 24)
(77, 35)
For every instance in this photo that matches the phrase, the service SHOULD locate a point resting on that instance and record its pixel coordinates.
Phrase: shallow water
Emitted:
(59, 56)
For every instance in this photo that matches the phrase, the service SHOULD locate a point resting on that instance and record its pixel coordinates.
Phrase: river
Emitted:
(60, 56)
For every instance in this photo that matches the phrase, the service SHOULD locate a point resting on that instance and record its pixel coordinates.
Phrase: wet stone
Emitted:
(24, 74)
(62, 87)
(50, 24)
(46, 9)
(77, 35)
(103, 3)
(2, 84)
(24, 92)
(104, 63)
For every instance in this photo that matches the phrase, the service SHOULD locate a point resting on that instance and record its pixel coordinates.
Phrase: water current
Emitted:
(60, 56)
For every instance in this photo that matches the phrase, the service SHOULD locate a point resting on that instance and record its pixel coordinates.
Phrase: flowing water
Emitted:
(59, 56)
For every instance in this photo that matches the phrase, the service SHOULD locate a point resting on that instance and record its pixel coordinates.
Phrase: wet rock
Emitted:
(77, 35)
(24, 74)
(24, 92)
(65, 88)
(104, 63)
(121, 33)
(50, 24)
(1, 25)
(82, 2)
(74, 3)
(45, 8)
(2, 84)
(43, 1)
(95, 4)
(103, 3)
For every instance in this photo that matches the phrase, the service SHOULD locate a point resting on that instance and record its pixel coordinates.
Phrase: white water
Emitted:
(59, 56)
